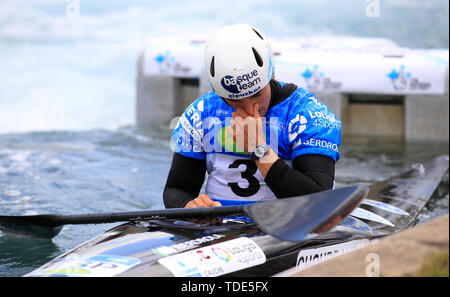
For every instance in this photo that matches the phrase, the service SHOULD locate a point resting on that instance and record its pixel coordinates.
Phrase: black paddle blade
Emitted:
(301, 218)
(45, 226)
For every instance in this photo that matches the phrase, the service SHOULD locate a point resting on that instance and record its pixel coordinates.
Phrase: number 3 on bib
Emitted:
(249, 175)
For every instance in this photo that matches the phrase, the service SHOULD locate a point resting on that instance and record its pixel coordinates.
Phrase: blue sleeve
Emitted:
(313, 129)
(187, 136)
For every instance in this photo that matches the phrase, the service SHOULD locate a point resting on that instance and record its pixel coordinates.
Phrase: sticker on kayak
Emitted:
(215, 260)
(384, 206)
(95, 266)
(354, 223)
(370, 216)
(310, 257)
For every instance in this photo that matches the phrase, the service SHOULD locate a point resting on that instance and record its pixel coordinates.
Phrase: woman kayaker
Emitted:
(256, 137)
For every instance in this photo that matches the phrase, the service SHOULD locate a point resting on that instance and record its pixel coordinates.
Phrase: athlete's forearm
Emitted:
(310, 174)
(185, 179)
(265, 163)
(176, 197)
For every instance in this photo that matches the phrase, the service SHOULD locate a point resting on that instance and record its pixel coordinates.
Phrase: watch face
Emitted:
(260, 151)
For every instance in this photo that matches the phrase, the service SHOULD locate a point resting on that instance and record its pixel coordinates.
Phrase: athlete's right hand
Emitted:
(202, 200)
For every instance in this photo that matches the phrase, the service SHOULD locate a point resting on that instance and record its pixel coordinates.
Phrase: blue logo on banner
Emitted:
(403, 80)
(316, 79)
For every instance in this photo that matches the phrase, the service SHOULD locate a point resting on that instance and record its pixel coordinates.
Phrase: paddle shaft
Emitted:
(290, 219)
(52, 220)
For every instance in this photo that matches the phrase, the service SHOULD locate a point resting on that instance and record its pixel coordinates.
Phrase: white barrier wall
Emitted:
(373, 86)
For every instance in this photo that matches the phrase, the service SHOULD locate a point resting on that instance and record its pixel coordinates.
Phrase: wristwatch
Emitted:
(259, 152)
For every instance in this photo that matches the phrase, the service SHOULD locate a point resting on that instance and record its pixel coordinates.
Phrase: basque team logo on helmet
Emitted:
(229, 84)
(238, 60)
(241, 83)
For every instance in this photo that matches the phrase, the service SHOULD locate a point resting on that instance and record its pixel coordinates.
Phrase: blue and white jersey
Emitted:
(296, 126)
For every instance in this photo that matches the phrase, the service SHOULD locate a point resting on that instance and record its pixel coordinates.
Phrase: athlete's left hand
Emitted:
(247, 130)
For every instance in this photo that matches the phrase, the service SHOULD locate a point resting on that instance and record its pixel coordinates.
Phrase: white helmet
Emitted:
(238, 61)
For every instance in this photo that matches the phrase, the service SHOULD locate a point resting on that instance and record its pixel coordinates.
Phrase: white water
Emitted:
(59, 72)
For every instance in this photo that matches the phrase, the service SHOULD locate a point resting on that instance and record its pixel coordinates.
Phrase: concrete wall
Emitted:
(426, 117)
(161, 98)
(369, 115)
(412, 117)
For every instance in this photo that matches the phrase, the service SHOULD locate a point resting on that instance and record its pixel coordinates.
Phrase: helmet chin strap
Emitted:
(272, 92)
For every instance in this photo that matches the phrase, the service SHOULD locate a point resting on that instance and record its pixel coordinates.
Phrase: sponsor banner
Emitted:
(310, 257)
(215, 260)
(334, 64)
(366, 73)
(174, 58)
(94, 266)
